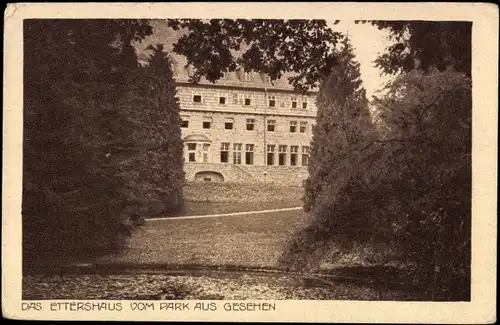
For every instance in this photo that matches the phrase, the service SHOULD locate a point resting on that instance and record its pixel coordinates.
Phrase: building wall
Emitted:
(217, 172)
(209, 141)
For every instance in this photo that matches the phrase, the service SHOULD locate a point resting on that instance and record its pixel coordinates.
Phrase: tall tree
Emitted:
(75, 134)
(426, 168)
(343, 121)
(426, 44)
(155, 173)
(272, 46)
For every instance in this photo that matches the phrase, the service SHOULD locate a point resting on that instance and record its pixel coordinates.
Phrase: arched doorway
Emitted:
(209, 176)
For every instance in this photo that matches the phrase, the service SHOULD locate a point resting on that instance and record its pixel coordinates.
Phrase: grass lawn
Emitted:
(203, 198)
(204, 208)
(251, 240)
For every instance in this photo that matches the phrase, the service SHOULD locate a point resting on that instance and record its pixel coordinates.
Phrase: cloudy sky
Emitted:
(366, 39)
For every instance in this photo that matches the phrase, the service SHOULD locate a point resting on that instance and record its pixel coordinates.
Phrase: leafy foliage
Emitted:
(427, 171)
(271, 46)
(399, 176)
(76, 134)
(426, 44)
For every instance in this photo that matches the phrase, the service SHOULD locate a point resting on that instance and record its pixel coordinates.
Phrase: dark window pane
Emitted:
(192, 156)
(222, 100)
(206, 125)
(293, 159)
(270, 127)
(305, 160)
(249, 158)
(184, 124)
(224, 156)
(197, 98)
(270, 158)
(282, 159)
(247, 101)
(272, 103)
(228, 125)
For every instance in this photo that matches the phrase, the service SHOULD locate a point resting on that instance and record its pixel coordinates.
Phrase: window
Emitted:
(228, 124)
(305, 156)
(271, 125)
(248, 100)
(205, 152)
(270, 154)
(282, 155)
(191, 147)
(271, 101)
(247, 76)
(237, 153)
(293, 126)
(207, 123)
(222, 100)
(303, 127)
(304, 103)
(250, 124)
(249, 148)
(293, 155)
(224, 152)
(294, 102)
(184, 121)
(268, 79)
(197, 98)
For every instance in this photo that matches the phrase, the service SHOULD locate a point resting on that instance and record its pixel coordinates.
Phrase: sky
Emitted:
(366, 39)
(368, 42)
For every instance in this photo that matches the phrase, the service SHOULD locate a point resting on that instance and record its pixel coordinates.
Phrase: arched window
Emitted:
(197, 148)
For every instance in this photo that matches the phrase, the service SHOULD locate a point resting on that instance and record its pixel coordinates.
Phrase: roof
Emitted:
(182, 73)
(165, 35)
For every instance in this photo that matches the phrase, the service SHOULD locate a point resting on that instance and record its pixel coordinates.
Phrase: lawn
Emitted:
(219, 198)
(255, 240)
(205, 208)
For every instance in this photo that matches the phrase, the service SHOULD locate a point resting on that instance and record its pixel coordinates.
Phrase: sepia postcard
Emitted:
(275, 162)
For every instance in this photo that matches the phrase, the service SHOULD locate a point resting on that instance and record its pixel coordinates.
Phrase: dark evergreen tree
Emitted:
(343, 122)
(155, 173)
(75, 135)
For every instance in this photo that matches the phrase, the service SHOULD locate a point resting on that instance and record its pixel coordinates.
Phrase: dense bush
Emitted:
(427, 172)
(83, 128)
(408, 185)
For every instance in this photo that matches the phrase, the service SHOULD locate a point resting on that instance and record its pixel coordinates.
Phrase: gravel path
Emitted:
(237, 286)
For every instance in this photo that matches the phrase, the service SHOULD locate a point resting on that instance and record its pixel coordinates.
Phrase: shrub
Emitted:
(75, 136)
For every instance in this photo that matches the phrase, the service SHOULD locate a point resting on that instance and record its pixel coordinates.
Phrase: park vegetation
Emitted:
(101, 137)
(393, 172)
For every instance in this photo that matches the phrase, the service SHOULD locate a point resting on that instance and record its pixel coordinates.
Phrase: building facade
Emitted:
(245, 128)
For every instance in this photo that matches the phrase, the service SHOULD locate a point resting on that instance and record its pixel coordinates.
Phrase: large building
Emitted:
(244, 128)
